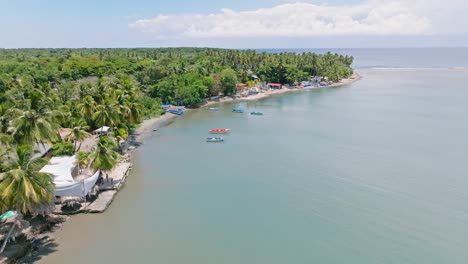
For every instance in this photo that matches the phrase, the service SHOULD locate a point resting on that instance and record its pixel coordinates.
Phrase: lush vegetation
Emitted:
(43, 90)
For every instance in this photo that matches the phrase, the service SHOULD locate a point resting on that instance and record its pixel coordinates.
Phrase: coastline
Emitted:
(264, 94)
(149, 125)
(141, 133)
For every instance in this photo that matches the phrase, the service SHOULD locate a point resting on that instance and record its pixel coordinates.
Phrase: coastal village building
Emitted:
(104, 130)
(240, 87)
(274, 85)
(64, 171)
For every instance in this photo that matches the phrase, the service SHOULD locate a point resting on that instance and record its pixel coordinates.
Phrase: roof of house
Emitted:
(102, 129)
(274, 84)
(60, 168)
(64, 132)
(40, 150)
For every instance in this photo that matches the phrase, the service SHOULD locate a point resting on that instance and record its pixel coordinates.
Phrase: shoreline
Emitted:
(136, 139)
(150, 125)
(264, 94)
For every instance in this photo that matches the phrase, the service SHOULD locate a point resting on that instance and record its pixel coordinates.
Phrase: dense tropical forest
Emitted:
(42, 90)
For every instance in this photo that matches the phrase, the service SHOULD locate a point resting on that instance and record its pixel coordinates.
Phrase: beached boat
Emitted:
(175, 107)
(219, 130)
(178, 107)
(174, 111)
(213, 109)
(256, 113)
(237, 110)
(214, 139)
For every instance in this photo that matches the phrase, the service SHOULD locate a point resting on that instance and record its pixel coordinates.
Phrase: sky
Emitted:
(233, 23)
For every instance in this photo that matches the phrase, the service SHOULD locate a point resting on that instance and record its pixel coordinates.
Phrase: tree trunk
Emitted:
(8, 236)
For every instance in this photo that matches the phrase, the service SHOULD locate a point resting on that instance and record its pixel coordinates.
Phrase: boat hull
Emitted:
(176, 112)
(215, 139)
(219, 130)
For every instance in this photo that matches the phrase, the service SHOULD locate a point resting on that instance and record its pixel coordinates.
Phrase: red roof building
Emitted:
(274, 85)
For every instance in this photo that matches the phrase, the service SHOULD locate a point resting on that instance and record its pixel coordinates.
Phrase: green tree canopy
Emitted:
(228, 80)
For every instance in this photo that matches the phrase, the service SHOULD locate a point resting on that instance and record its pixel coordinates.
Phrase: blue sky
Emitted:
(233, 24)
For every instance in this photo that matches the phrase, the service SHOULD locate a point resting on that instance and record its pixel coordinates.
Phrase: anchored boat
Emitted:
(213, 109)
(219, 130)
(214, 139)
(256, 113)
(174, 111)
(237, 110)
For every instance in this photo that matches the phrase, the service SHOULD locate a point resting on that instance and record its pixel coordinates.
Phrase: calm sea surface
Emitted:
(373, 172)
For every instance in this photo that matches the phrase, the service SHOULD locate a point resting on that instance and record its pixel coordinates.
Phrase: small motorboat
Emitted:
(214, 139)
(213, 109)
(256, 113)
(174, 111)
(178, 107)
(175, 107)
(237, 110)
(219, 130)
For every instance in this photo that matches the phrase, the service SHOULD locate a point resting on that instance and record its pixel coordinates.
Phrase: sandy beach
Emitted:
(263, 94)
(149, 125)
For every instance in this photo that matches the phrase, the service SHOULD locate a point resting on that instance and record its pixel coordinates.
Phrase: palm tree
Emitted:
(78, 134)
(134, 115)
(103, 156)
(31, 127)
(5, 139)
(22, 186)
(87, 107)
(105, 115)
(81, 160)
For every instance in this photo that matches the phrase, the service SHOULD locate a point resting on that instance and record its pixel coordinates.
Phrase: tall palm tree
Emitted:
(103, 156)
(5, 140)
(32, 127)
(134, 115)
(81, 160)
(22, 186)
(105, 115)
(87, 107)
(78, 134)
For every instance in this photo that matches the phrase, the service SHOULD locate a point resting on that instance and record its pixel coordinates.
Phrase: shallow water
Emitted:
(373, 172)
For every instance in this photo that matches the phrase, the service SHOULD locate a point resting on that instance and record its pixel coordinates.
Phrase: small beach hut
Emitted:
(274, 85)
(104, 130)
(64, 132)
(62, 169)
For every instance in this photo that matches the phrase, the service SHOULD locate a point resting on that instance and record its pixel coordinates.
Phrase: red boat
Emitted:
(219, 130)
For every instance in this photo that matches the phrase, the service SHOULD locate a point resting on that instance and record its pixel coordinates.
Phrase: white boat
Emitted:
(214, 139)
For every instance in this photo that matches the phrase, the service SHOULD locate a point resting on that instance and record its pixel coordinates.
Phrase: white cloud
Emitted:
(373, 18)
